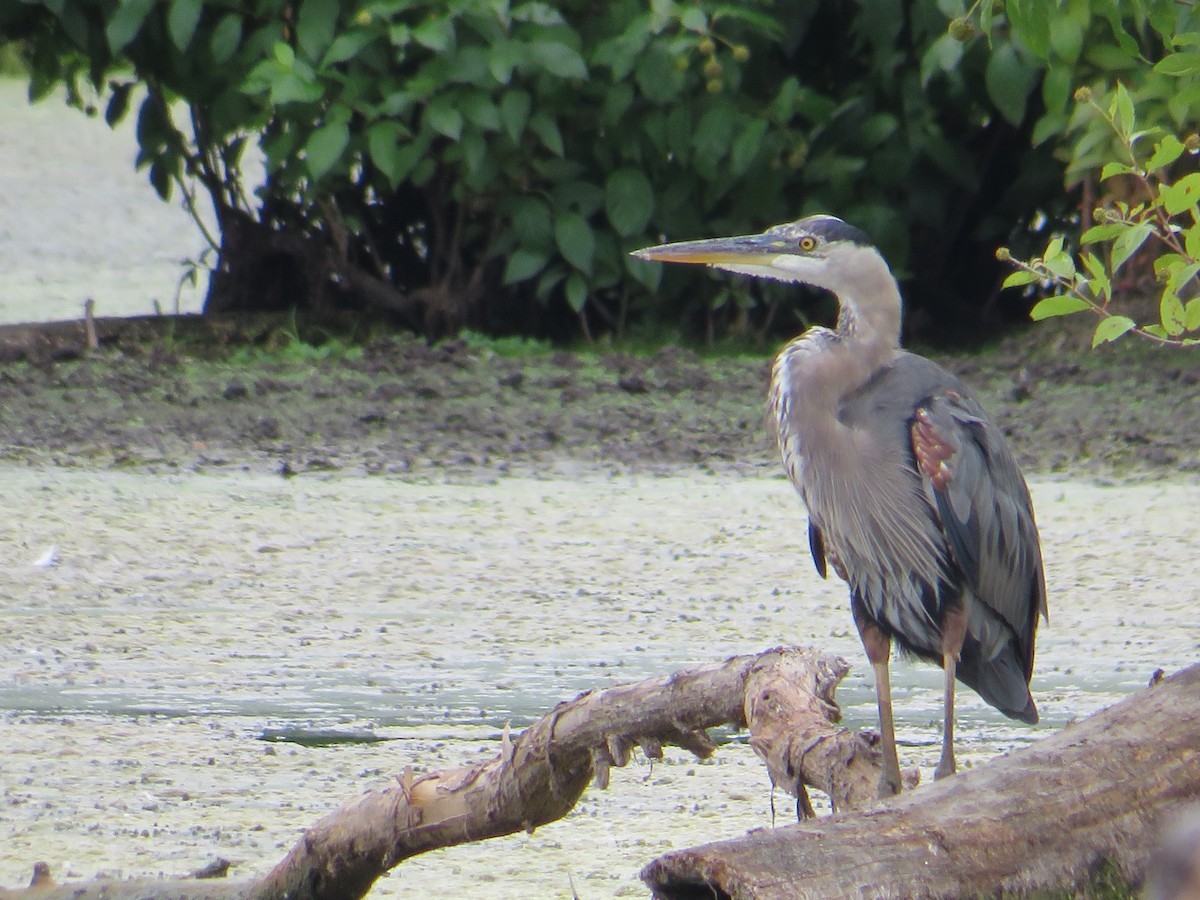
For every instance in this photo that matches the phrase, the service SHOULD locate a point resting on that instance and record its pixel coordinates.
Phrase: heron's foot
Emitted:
(889, 782)
(945, 768)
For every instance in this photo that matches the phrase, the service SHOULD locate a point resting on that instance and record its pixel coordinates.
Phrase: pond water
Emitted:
(186, 614)
(77, 220)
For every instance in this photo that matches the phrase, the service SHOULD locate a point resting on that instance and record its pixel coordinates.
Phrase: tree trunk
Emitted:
(264, 269)
(1046, 816)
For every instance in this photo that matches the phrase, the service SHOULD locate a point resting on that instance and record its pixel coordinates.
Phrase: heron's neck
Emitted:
(869, 311)
(816, 370)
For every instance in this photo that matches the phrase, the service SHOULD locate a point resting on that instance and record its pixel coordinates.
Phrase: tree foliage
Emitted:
(1164, 215)
(1121, 89)
(490, 163)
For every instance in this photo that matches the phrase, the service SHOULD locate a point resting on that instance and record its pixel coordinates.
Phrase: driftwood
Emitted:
(1099, 790)
(784, 695)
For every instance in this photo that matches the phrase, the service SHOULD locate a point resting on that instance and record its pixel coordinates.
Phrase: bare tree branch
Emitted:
(539, 775)
(1036, 819)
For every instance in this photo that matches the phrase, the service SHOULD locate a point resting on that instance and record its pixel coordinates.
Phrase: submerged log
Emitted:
(1098, 791)
(785, 694)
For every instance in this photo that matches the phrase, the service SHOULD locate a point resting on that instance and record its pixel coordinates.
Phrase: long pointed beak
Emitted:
(748, 249)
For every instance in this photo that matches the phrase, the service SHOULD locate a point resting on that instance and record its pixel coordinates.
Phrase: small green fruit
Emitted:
(961, 29)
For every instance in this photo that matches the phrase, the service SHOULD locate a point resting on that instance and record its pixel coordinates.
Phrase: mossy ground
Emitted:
(297, 398)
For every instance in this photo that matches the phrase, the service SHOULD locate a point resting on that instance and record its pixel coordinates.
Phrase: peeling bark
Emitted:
(1044, 817)
(786, 694)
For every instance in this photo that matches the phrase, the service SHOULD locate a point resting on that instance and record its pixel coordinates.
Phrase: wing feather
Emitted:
(972, 480)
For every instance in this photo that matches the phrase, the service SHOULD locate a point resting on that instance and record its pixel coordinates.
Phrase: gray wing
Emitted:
(972, 480)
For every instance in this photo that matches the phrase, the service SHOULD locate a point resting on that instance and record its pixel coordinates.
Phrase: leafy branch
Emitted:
(1161, 210)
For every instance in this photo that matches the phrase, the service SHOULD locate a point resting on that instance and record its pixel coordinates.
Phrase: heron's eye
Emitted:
(808, 244)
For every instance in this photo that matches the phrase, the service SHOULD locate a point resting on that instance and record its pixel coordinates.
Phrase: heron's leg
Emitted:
(954, 630)
(879, 648)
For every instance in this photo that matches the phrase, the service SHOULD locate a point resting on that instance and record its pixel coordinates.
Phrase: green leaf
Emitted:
(514, 112)
(225, 38)
(477, 108)
(531, 223)
(1009, 82)
(436, 34)
(656, 76)
(1166, 151)
(1191, 240)
(126, 22)
(474, 154)
(1115, 168)
(1031, 21)
(1098, 280)
(160, 176)
(1182, 195)
(558, 59)
(315, 27)
(620, 54)
(443, 117)
(1179, 64)
(182, 19)
(547, 131)
(345, 46)
(1102, 233)
(647, 274)
(549, 281)
(503, 58)
(1191, 318)
(1066, 38)
(468, 65)
(1060, 305)
(118, 103)
(877, 130)
(383, 139)
(628, 201)
(537, 13)
(694, 19)
(1121, 111)
(1051, 125)
(1111, 328)
(325, 147)
(1021, 277)
(1056, 87)
(1172, 314)
(1060, 265)
(577, 292)
(713, 136)
(746, 146)
(1128, 243)
(943, 55)
(575, 240)
(523, 264)
(1181, 275)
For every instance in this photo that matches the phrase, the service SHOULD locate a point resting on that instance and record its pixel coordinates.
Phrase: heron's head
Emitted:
(820, 250)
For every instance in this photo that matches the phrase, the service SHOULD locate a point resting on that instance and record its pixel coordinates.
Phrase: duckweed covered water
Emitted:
(184, 616)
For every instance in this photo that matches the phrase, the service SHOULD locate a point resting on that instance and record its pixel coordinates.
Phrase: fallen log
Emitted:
(1097, 792)
(786, 696)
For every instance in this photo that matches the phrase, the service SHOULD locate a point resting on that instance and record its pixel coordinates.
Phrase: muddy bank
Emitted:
(187, 613)
(194, 395)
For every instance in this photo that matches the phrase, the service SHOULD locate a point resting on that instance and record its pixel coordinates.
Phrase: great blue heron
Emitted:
(913, 495)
